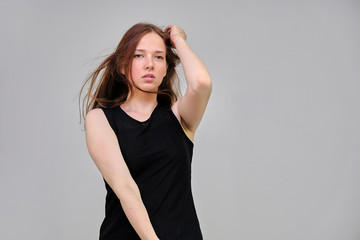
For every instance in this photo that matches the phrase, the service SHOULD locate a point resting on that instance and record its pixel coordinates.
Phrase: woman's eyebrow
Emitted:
(142, 50)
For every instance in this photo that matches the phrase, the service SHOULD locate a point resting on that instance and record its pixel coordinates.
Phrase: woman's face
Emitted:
(149, 62)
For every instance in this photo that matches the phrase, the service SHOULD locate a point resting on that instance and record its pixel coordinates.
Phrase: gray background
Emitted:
(277, 155)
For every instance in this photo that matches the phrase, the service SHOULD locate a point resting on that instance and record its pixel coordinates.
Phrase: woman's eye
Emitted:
(137, 56)
(159, 57)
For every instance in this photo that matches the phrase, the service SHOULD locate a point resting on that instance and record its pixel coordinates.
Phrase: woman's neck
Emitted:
(141, 102)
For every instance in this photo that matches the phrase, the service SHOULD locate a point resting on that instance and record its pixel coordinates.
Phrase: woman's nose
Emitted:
(149, 63)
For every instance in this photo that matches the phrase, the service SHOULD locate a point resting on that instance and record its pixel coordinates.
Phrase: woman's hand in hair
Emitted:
(175, 33)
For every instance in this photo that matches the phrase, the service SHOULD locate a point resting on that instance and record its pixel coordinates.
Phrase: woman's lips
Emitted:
(148, 77)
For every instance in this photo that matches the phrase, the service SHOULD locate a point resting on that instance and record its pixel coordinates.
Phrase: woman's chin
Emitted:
(147, 88)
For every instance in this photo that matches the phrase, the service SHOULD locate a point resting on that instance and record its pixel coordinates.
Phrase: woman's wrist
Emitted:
(179, 42)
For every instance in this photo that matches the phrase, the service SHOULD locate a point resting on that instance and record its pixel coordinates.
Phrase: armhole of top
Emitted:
(109, 114)
(180, 127)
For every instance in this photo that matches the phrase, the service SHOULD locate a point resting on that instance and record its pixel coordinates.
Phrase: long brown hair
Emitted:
(109, 84)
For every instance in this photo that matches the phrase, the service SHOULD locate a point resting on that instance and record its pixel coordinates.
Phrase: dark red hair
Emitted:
(109, 84)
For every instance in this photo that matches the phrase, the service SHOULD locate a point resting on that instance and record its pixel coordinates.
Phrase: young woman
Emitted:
(140, 134)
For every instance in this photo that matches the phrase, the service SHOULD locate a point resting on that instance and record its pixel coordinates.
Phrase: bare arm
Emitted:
(191, 107)
(105, 151)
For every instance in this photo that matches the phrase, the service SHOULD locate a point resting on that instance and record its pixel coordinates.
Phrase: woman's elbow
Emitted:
(127, 192)
(203, 84)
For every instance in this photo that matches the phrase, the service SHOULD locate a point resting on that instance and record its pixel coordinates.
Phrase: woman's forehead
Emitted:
(151, 42)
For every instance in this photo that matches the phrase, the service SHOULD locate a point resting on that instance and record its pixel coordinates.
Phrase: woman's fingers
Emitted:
(168, 30)
(175, 33)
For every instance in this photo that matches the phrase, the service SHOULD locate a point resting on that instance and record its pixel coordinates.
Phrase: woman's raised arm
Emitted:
(105, 151)
(191, 107)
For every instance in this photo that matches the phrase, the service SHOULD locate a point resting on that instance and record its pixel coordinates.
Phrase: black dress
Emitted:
(158, 154)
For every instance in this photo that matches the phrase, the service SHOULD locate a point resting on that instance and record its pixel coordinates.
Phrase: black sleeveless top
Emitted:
(158, 154)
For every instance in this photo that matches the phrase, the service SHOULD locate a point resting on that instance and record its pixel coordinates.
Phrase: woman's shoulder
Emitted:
(94, 113)
(95, 116)
(189, 134)
(102, 117)
(100, 112)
